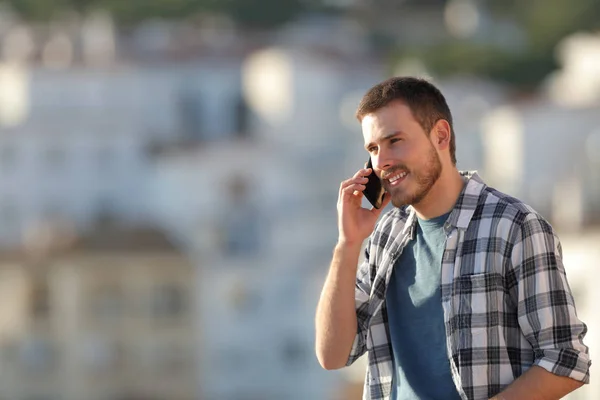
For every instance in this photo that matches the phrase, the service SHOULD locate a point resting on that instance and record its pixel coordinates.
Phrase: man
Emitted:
(462, 293)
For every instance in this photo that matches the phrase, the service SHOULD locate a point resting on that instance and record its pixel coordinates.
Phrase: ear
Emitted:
(441, 134)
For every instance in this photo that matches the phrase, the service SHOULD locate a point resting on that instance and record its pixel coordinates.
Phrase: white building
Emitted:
(261, 215)
(546, 150)
(76, 144)
(241, 163)
(577, 83)
(470, 100)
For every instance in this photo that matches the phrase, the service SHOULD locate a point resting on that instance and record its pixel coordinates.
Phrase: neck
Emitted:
(442, 196)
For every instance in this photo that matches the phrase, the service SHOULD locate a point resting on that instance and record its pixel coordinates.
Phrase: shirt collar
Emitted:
(463, 210)
(467, 200)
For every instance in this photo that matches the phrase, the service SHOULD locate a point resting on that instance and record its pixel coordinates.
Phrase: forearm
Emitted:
(336, 322)
(538, 384)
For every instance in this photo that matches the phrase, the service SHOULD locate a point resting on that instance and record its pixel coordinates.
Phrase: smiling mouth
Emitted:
(396, 178)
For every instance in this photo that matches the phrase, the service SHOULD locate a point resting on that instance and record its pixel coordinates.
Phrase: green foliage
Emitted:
(545, 23)
(37, 10)
(523, 69)
(248, 13)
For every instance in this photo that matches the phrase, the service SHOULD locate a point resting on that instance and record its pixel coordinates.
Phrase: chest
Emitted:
(470, 270)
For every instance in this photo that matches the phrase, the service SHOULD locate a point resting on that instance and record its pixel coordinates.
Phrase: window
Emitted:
(242, 117)
(168, 301)
(40, 298)
(190, 111)
(242, 232)
(241, 223)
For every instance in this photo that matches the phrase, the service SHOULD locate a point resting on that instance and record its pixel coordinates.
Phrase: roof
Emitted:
(52, 242)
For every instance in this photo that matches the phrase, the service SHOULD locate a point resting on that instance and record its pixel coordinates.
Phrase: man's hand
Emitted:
(336, 321)
(354, 222)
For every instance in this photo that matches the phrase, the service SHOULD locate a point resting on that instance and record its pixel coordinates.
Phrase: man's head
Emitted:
(407, 127)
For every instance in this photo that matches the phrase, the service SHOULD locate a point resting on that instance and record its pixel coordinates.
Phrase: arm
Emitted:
(336, 321)
(539, 384)
(547, 316)
(344, 299)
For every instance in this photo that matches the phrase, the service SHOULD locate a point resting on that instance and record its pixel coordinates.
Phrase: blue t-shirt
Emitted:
(416, 319)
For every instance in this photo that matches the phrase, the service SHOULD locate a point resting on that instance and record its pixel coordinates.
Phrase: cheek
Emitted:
(406, 154)
(418, 155)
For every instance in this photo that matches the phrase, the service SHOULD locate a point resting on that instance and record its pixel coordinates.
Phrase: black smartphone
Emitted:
(374, 189)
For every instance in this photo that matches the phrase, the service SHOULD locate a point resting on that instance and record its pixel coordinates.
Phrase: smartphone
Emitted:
(374, 189)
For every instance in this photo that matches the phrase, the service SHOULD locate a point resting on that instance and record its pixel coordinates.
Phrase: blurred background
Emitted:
(169, 175)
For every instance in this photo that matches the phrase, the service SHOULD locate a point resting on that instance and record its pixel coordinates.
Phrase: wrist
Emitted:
(348, 245)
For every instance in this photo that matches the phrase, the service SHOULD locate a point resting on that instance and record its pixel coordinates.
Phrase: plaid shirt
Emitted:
(506, 301)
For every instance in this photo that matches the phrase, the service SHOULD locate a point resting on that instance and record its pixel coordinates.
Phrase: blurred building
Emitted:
(78, 144)
(545, 148)
(471, 100)
(581, 254)
(105, 316)
(236, 153)
(576, 83)
(261, 220)
(547, 155)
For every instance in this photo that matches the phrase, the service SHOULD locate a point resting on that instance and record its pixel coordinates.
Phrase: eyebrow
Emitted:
(386, 137)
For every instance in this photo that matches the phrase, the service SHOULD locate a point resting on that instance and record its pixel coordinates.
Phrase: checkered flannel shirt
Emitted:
(505, 297)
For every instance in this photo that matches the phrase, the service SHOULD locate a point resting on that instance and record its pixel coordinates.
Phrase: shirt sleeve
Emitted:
(546, 309)
(361, 298)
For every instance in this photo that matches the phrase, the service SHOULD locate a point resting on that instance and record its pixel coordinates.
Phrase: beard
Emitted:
(419, 181)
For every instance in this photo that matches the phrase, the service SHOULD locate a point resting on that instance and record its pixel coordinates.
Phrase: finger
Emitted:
(352, 181)
(357, 187)
(359, 177)
(363, 172)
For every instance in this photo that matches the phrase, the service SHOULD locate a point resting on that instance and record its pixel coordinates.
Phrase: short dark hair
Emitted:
(426, 102)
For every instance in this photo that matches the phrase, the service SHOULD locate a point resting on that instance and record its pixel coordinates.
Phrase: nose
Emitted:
(381, 162)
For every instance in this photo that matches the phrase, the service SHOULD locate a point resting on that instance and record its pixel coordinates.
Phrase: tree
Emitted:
(248, 13)
(545, 23)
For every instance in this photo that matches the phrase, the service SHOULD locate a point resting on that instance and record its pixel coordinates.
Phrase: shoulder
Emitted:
(504, 209)
(393, 217)
(389, 224)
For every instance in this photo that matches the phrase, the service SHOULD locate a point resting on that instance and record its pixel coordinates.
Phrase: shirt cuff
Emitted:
(570, 363)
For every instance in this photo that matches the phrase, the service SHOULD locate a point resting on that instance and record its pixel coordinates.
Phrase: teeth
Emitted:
(396, 177)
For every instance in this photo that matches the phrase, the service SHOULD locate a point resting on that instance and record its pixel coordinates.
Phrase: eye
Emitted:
(371, 149)
(394, 140)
